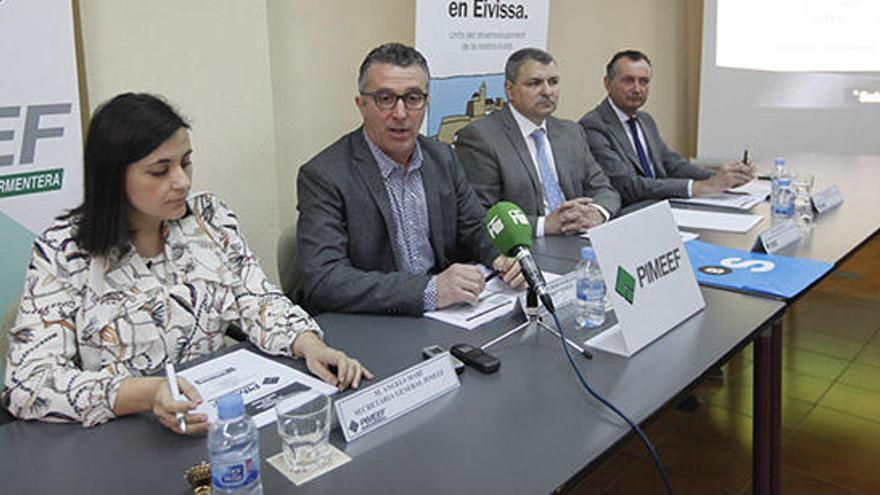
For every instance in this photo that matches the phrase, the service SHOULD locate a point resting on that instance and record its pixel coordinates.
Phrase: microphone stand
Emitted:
(534, 320)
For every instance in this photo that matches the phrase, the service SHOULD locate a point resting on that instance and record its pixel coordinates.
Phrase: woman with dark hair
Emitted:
(140, 274)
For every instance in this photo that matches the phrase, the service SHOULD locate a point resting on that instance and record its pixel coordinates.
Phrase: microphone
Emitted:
(511, 234)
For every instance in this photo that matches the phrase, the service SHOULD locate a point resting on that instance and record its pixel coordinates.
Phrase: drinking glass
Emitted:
(803, 205)
(304, 428)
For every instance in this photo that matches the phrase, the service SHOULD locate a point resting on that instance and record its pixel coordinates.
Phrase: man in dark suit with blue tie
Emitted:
(387, 221)
(628, 146)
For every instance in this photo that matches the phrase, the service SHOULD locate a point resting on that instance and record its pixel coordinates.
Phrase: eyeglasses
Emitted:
(386, 100)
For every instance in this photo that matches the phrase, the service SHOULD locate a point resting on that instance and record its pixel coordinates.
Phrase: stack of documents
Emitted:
(743, 202)
(744, 197)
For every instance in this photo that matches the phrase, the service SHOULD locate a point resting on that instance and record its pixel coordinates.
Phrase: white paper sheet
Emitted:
(685, 236)
(261, 381)
(496, 300)
(711, 220)
(743, 202)
(688, 236)
(744, 197)
(757, 188)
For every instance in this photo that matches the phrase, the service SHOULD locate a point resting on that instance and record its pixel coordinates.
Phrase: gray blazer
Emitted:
(345, 233)
(497, 162)
(610, 145)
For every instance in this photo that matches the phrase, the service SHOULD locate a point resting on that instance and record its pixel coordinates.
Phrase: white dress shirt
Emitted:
(527, 127)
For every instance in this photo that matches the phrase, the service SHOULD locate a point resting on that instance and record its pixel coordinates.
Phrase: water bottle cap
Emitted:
(779, 161)
(587, 253)
(230, 406)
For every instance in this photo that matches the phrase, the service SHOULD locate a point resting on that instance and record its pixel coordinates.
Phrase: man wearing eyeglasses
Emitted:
(387, 220)
(523, 154)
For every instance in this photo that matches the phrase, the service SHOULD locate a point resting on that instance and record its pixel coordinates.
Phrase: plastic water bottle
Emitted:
(590, 291)
(234, 449)
(782, 192)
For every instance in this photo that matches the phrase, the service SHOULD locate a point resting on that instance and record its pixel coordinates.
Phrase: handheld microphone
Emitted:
(511, 234)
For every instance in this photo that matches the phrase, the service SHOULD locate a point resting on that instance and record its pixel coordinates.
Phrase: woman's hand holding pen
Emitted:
(139, 394)
(166, 408)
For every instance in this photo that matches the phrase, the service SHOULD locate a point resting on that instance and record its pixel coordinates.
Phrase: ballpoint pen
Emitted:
(175, 394)
(484, 294)
(752, 167)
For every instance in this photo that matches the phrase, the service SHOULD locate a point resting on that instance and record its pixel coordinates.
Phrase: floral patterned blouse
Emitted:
(87, 323)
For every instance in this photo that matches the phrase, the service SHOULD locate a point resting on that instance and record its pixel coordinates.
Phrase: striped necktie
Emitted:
(551, 186)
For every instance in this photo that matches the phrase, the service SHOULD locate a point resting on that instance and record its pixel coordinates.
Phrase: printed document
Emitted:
(261, 381)
(757, 188)
(496, 300)
(743, 202)
(744, 197)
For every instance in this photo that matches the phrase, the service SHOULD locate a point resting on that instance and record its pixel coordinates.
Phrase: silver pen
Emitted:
(175, 394)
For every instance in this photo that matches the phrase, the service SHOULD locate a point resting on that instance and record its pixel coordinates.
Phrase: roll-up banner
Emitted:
(466, 43)
(40, 129)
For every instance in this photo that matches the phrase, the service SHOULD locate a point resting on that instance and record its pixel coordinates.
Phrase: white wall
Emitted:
(211, 60)
(316, 50)
(584, 34)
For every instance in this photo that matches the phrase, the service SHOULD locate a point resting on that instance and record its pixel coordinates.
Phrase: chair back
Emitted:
(8, 322)
(286, 256)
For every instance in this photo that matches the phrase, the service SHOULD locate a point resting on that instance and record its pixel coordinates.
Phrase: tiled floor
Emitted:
(831, 406)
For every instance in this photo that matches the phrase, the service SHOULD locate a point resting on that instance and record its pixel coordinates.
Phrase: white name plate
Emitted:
(365, 411)
(780, 236)
(561, 288)
(827, 199)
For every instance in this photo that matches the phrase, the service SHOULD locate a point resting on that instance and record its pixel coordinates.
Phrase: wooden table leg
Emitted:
(767, 409)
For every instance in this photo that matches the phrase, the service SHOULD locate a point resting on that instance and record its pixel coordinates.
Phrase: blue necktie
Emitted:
(643, 157)
(551, 187)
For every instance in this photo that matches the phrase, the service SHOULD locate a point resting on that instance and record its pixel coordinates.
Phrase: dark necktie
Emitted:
(640, 150)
